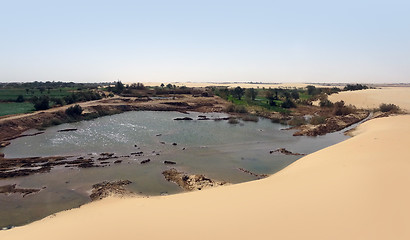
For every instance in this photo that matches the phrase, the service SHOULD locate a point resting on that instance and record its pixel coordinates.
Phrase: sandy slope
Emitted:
(358, 189)
(372, 98)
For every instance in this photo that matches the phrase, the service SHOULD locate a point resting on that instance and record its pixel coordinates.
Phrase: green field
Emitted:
(14, 108)
(12, 93)
(259, 101)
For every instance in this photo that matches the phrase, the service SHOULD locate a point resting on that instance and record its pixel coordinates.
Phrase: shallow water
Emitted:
(214, 148)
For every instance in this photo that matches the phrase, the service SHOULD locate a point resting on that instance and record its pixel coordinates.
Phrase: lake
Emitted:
(216, 149)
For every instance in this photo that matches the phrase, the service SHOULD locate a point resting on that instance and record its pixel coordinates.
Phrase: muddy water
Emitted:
(214, 148)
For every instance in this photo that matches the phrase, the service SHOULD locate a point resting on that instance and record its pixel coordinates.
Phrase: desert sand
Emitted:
(357, 189)
(372, 98)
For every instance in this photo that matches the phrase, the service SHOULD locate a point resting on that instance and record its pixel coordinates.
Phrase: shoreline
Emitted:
(321, 196)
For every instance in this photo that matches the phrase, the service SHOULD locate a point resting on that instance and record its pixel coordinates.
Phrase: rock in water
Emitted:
(105, 189)
(286, 152)
(190, 182)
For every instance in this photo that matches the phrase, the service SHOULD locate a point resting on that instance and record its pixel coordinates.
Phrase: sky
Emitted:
(205, 41)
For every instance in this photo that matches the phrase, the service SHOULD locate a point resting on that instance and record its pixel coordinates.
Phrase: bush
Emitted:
(250, 118)
(74, 111)
(20, 98)
(325, 103)
(316, 120)
(389, 107)
(233, 121)
(340, 109)
(355, 87)
(41, 103)
(288, 104)
(236, 108)
(297, 121)
(295, 94)
(58, 101)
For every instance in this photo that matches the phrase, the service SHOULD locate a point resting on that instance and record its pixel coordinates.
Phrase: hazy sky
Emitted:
(164, 41)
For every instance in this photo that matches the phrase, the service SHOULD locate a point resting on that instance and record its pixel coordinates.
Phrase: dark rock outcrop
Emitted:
(259, 176)
(68, 130)
(105, 189)
(169, 162)
(8, 189)
(145, 161)
(190, 182)
(286, 152)
(183, 119)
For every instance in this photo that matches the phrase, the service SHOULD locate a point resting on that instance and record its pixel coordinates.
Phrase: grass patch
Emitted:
(11, 94)
(15, 108)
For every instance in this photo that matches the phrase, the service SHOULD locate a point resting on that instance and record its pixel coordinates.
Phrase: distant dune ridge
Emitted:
(357, 189)
(372, 98)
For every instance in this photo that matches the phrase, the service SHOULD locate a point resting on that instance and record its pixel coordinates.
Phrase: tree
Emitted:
(20, 98)
(162, 85)
(270, 97)
(169, 85)
(41, 103)
(27, 90)
(251, 93)
(295, 94)
(311, 89)
(238, 92)
(74, 111)
(41, 89)
(119, 87)
(354, 87)
(288, 104)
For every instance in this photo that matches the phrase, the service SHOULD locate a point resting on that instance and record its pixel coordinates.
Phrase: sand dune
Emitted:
(357, 189)
(372, 98)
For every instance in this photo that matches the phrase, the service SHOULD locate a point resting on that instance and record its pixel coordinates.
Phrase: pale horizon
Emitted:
(216, 41)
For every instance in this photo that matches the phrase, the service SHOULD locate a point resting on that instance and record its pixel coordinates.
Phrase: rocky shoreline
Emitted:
(10, 189)
(190, 182)
(106, 189)
(13, 128)
(286, 152)
(332, 124)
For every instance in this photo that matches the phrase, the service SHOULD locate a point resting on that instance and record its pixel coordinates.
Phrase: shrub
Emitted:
(340, 109)
(295, 94)
(297, 121)
(325, 103)
(316, 120)
(355, 87)
(58, 101)
(288, 104)
(233, 121)
(250, 118)
(20, 98)
(251, 93)
(41, 103)
(388, 107)
(75, 110)
(236, 108)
